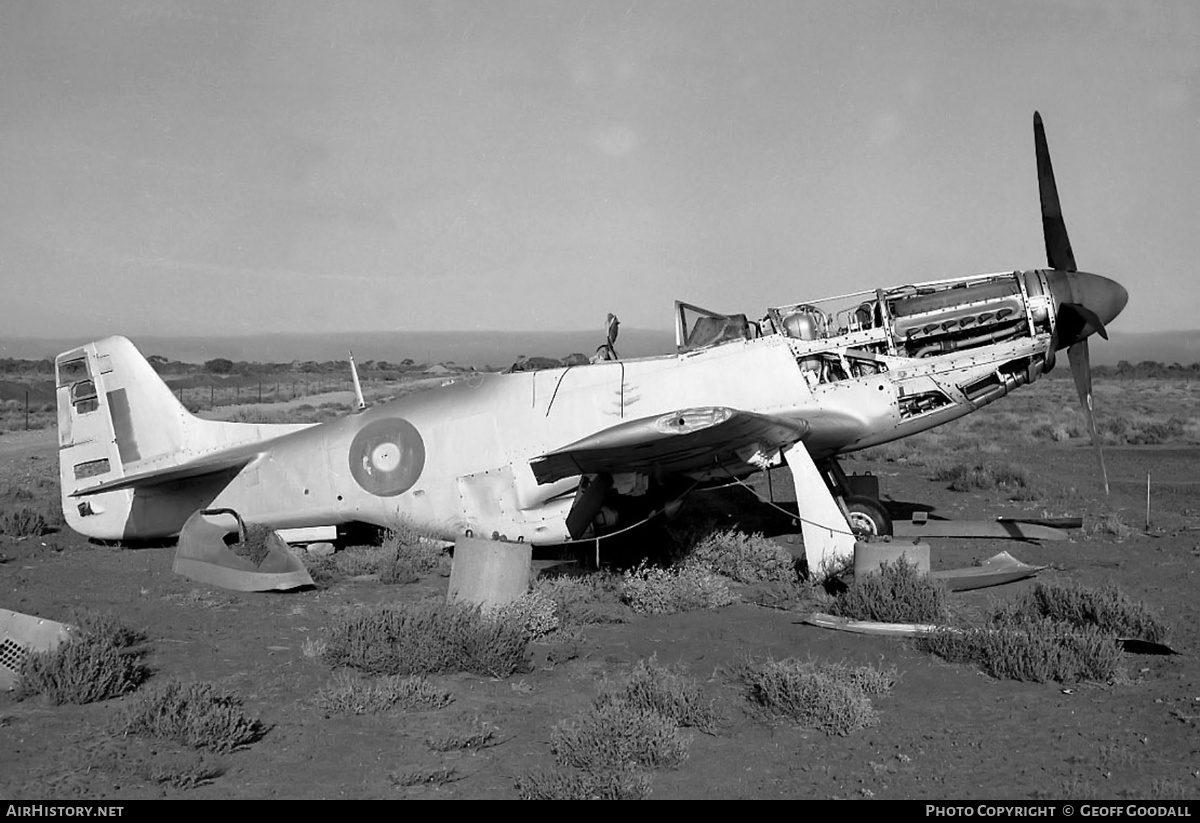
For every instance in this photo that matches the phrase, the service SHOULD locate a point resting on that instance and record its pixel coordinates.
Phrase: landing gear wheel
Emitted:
(867, 517)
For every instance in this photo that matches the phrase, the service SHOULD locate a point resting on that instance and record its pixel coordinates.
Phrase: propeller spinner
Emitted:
(1085, 303)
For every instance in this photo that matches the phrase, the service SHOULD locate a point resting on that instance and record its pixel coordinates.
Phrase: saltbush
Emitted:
(746, 558)
(1033, 651)
(616, 733)
(1108, 609)
(897, 593)
(201, 715)
(652, 590)
(100, 660)
(426, 638)
(833, 698)
(628, 783)
(668, 692)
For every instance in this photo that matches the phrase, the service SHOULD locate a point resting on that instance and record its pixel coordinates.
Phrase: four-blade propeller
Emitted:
(1085, 302)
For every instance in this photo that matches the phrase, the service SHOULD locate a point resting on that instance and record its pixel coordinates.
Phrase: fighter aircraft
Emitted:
(567, 454)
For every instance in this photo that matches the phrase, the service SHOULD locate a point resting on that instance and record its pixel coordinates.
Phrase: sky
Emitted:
(227, 168)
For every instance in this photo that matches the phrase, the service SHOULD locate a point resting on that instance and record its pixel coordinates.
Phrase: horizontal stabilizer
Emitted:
(225, 461)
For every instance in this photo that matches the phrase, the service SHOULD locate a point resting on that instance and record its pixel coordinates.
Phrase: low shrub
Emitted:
(833, 698)
(1108, 609)
(651, 590)
(1033, 651)
(533, 611)
(416, 549)
(1108, 525)
(668, 692)
(201, 715)
(616, 733)
(1155, 432)
(898, 593)
(350, 694)
(746, 558)
(426, 638)
(101, 659)
(584, 599)
(963, 477)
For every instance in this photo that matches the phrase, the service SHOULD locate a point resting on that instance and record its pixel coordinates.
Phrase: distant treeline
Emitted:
(1147, 369)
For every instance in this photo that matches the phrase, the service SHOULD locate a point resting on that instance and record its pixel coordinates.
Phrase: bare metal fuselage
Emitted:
(857, 371)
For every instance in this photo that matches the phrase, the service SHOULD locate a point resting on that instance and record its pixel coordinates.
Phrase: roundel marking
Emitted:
(387, 456)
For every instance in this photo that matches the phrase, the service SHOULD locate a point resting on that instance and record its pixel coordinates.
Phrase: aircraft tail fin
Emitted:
(115, 415)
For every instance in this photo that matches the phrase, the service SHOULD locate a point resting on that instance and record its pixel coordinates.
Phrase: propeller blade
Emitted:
(1058, 245)
(1081, 370)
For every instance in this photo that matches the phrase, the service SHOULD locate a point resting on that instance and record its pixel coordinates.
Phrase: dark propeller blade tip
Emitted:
(1058, 245)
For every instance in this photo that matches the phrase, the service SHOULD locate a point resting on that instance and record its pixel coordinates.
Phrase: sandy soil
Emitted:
(945, 731)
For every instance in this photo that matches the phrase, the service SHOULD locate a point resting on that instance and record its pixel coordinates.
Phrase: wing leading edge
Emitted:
(680, 442)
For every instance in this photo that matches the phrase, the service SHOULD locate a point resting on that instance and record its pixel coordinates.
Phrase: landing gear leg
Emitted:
(828, 538)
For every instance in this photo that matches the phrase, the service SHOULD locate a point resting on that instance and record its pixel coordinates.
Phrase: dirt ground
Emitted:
(945, 731)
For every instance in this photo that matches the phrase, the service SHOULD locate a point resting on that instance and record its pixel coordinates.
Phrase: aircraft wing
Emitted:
(679, 442)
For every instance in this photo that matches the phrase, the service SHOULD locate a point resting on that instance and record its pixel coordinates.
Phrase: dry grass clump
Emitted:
(147, 760)
(24, 522)
(831, 697)
(100, 660)
(746, 558)
(978, 475)
(652, 590)
(424, 776)
(201, 715)
(352, 694)
(426, 638)
(479, 736)
(628, 783)
(585, 599)
(898, 593)
(1108, 609)
(182, 771)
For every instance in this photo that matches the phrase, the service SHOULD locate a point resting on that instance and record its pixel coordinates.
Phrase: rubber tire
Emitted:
(869, 509)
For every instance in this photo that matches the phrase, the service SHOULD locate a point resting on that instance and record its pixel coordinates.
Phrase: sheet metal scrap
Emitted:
(20, 636)
(995, 571)
(1005, 528)
(845, 624)
(204, 556)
